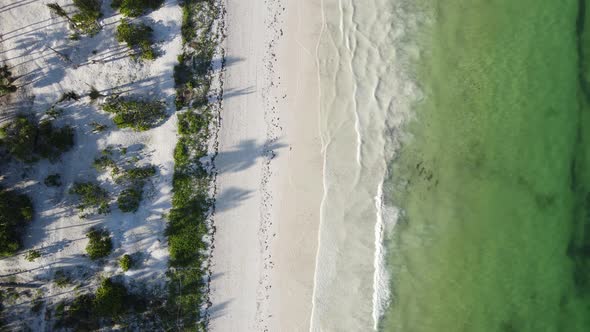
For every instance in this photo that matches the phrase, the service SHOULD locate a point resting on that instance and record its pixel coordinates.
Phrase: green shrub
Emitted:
(15, 212)
(28, 142)
(141, 173)
(110, 299)
(135, 8)
(136, 114)
(103, 163)
(32, 255)
(54, 112)
(129, 199)
(91, 196)
(51, 142)
(138, 37)
(99, 245)
(87, 18)
(6, 80)
(126, 262)
(61, 279)
(18, 137)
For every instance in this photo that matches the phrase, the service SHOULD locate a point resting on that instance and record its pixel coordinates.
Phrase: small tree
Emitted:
(99, 245)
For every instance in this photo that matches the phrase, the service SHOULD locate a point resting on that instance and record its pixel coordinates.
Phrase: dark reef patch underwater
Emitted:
(494, 184)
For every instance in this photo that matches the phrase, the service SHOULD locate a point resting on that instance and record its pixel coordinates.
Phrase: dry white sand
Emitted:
(28, 32)
(270, 168)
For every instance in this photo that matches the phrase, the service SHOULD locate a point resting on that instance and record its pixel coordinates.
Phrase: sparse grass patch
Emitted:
(61, 279)
(130, 198)
(133, 113)
(91, 196)
(15, 212)
(135, 8)
(31, 255)
(100, 243)
(138, 37)
(98, 127)
(54, 113)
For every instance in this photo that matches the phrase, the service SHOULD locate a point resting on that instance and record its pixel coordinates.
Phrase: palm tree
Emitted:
(59, 11)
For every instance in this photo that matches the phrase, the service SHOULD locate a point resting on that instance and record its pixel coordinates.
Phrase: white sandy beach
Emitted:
(270, 169)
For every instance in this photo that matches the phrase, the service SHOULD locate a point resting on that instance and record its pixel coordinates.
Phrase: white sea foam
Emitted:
(366, 95)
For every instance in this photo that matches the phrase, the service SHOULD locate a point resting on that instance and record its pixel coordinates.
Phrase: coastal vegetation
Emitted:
(87, 17)
(6, 80)
(191, 204)
(135, 8)
(99, 244)
(28, 141)
(138, 37)
(134, 113)
(126, 262)
(16, 211)
(31, 255)
(91, 195)
(85, 21)
(130, 198)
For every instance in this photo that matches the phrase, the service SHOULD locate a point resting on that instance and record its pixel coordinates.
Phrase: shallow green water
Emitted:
(494, 183)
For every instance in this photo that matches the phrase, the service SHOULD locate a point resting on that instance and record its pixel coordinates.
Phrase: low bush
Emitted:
(31, 255)
(91, 196)
(137, 114)
(28, 142)
(126, 262)
(135, 8)
(129, 199)
(51, 141)
(99, 245)
(15, 212)
(138, 37)
(110, 299)
(140, 173)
